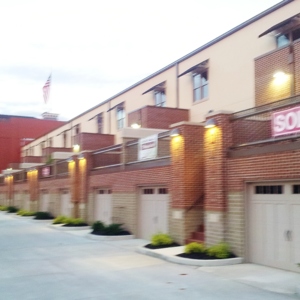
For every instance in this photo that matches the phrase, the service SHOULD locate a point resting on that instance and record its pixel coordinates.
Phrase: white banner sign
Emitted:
(148, 147)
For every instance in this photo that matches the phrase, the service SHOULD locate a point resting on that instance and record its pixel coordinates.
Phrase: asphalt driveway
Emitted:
(38, 262)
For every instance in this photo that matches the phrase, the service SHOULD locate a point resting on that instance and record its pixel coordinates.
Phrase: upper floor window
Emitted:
(200, 86)
(288, 37)
(77, 129)
(160, 98)
(50, 142)
(65, 139)
(100, 123)
(120, 117)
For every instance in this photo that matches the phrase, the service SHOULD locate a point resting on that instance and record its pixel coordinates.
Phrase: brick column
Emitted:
(32, 178)
(187, 185)
(216, 142)
(9, 181)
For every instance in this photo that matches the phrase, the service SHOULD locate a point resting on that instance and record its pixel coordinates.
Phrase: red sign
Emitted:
(286, 121)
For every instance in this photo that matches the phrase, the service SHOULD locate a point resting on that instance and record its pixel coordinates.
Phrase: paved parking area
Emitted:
(38, 262)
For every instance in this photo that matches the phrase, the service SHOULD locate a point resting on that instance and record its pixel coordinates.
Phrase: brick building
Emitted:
(238, 181)
(16, 131)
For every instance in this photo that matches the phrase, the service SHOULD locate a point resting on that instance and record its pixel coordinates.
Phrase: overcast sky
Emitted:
(96, 48)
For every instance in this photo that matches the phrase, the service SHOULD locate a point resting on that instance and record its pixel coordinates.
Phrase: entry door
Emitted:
(44, 203)
(103, 206)
(274, 227)
(153, 212)
(65, 204)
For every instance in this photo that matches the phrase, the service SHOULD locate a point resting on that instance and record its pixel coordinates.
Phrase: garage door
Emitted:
(153, 211)
(26, 201)
(65, 208)
(103, 206)
(44, 202)
(274, 225)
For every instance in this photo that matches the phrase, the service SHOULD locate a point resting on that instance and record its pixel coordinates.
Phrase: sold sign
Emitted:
(286, 121)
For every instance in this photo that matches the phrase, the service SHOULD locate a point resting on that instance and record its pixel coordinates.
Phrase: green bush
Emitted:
(60, 220)
(76, 222)
(12, 209)
(3, 208)
(98, 226)
(194, 248)
(161, 239)
(25, 213)
(113, 229)
(43, 215)
(220, 250)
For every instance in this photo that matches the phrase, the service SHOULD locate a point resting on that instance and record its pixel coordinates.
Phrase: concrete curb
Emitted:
(42, 221)
(187, 261)
(110, 238)
(62, 228)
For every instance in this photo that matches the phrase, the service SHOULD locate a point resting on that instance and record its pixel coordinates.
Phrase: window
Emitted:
(163, 191)
(50, 142)
(148, 191)
(77, 129)
(268, 189)
(100, 123)
(120, 117)
(65, 139)
(296, 189)
(288, 37)
(160, 98)
(200, 86)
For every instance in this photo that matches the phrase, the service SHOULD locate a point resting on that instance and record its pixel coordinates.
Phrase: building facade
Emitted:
(238, 181)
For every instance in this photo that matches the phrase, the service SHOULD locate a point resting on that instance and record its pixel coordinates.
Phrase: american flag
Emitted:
(46, 89)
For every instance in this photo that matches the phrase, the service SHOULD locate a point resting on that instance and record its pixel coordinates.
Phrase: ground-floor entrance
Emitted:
(153, 211)
(274, 224)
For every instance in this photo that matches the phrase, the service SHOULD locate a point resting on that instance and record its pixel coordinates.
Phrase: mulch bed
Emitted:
(124, 232)
(75, 225)
(202, 256)
(150, 246)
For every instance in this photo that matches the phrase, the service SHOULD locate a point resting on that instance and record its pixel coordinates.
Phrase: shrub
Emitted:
(3, 208)
(98, 226)
(60, 220)
(25, 213)
(12, 209)
(161, 239)
(43, 215)
(220, 250)
(76, 222)
(194, 248)
(113, 229)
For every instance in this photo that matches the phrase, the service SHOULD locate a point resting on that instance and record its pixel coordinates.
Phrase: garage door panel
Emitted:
(273, 227)
(103, 207)
(295, 234)
(66, 204)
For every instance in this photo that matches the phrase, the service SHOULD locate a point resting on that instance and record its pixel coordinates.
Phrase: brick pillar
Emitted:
(9, 181)
(187, 185)
(32, 179)
(78, 172)
(216, 142)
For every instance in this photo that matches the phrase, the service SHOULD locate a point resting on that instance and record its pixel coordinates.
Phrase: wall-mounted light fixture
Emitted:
(70, 159)
(210, 123)
(135, 125)
(76, 148)
(280, 77)
(174, 132)
(80, 156)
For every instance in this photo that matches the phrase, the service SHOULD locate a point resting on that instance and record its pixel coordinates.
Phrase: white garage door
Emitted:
(26, 201)
(103, 206)
(153, 212)
(65, 208)
(274, 225)
(44, 202)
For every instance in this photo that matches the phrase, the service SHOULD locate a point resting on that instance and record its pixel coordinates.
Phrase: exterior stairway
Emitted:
(197, 236)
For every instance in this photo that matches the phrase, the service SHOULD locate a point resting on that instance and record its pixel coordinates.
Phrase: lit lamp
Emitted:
(174, 132)
(280, 77)
(135, 125)
(76, 148)
(210, 123)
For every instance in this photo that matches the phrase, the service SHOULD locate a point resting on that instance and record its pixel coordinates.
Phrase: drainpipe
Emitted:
(177, 86)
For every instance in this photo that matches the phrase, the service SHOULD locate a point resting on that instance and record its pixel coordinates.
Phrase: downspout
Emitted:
(177, 86)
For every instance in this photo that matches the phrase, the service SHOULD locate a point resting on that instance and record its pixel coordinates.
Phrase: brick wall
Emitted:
(187, 161)
(297, 67)
(93, 141)
(266, 89)
(157, 117)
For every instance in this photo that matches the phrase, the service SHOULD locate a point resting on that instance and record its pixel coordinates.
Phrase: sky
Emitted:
(94, 48)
